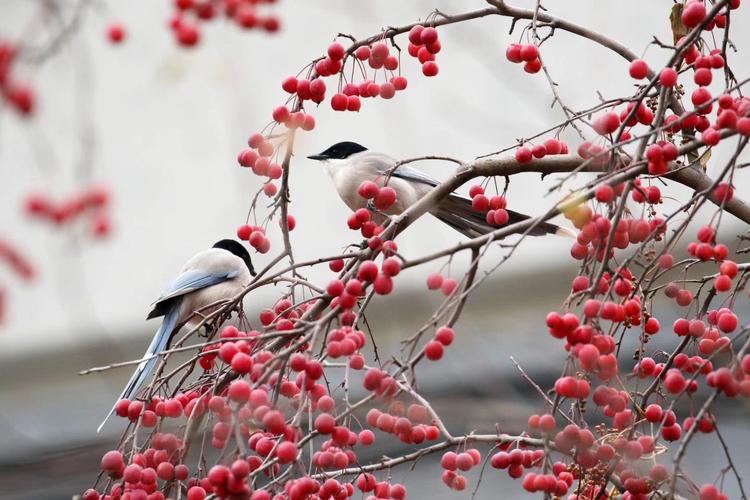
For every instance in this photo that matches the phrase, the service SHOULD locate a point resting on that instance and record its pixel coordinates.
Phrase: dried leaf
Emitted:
(675, 18)
(703, 160)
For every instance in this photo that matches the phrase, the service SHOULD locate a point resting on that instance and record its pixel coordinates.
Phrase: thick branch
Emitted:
(507, 165)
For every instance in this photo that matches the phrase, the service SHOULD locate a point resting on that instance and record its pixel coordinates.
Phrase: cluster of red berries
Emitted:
(659, 155)
(494, 207)
(453, 462)
(694, 13)
(732, 382)
(411, 426)
(346, 294)
(424, 45)
(551, 146)
(245, 13)
(381, 490)
(447, 286)
(381, 198)
(141, 475)
(547, 483)
(516, 461)
(711, 492)
(258, 159)
(337, 452)
(527, 54)
(572, 387)
(609, 122)
(732, 113)
(433, 349)
(283, 315)
(361, 220)
(645, 194)
(18, 96)
(344, 341)
(94, 203)
(348, 98)
(378, 57)
(379, 382)
(256, 235)
(706, 247)
(594, 229)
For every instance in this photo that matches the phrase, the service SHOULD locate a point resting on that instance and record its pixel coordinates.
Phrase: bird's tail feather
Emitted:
(149, 360)
(457, 212)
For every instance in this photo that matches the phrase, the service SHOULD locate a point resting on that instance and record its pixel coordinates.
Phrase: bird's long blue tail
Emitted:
(150, 359)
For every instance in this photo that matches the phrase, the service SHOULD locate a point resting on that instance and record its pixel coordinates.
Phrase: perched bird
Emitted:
(349, 164)
(210, 276)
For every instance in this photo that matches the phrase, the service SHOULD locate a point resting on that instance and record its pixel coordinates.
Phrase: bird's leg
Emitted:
(372, 208)
(206, 327)
(206, 331)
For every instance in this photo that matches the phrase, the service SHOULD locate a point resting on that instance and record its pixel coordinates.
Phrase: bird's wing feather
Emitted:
(192, 280)
(456, 211)
(150, 357)
(383, 163)
(188, 281)
(412, 174)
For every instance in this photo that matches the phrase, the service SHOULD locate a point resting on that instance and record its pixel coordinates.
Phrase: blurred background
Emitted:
(160, 127)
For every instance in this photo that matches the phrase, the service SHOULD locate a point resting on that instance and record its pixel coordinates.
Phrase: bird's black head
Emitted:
(237, 249)
(339, 151)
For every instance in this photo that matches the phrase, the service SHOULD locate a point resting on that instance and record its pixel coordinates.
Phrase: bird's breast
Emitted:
(347, 180)
(203, 302)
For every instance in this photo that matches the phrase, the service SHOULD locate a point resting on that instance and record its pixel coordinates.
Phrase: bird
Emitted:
(210, 276)
(349, 164)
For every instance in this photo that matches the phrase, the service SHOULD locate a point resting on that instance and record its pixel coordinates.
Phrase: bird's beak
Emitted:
(317, 157)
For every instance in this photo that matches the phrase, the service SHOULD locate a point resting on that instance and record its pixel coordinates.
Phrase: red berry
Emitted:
(434, 282)
(385, 198)
(702, 77)
(605, 193)
(286, 452)
(693, 14)
(383, 285)
(116, 33)
(368, 271)
(638, 69)
(428, 35)
(336, 51)
(523, 155)
(242, 363)
(433, 350)
(445, 335)
(513, 53)
(415, 34)
(529, 52)
(430, 68)
(239, 390)
(533, 66)
(187, 34)
(113, 462)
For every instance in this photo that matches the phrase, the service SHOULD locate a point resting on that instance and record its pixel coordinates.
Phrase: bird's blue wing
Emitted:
(150, 357)
(168, 305)
(193, 280)
(414, 175)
